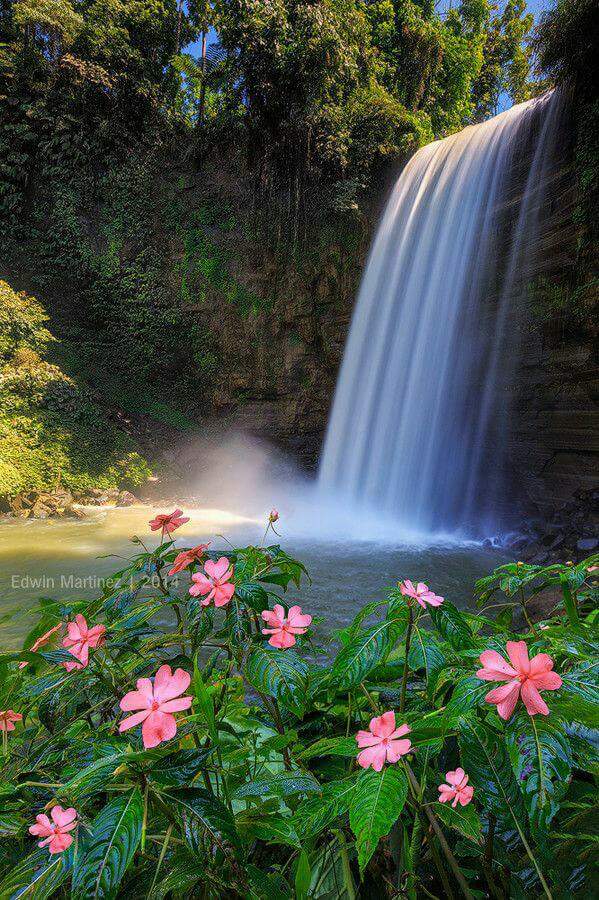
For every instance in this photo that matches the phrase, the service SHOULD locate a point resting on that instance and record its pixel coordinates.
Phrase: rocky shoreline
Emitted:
(567, 532)
(62, 504)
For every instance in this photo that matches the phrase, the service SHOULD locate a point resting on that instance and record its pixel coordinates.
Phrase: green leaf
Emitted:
(252, 594)
(332, 877)
(333, 746)
(485, 760)
(367, 649)
(584, 743)
(11, 822)
(376, 804)
(203, 699)
(257, 824)
(37, 876)
(314, 814)
(184, 870)
(425, 653)
(578, 698)
(264, 886)
(281, 785)
(92, 778)
(203, 813)
(464, 819)
(303, 876)
(281, 674)
(468, 693)
(542, 761)
(181, 767)
(115, 835)
(451, 625)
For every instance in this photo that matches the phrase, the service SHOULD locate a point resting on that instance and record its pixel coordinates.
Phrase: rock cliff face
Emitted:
(555, 442)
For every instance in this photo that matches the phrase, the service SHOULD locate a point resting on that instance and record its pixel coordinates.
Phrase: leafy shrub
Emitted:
(257, 791)
(50, 427)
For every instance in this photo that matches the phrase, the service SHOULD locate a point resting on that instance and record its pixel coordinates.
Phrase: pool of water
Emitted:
(67, 558)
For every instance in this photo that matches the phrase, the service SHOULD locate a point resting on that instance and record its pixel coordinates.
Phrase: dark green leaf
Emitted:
(252, 594)
(181, 767)
(376, 804)
(451, 625)
(463, 819)
(115, 835)
(542, 761)
(282, 785)
(203, 813)
(281, 674)
(485, 760)
(315, 813)
(37, 876)
(366, 650)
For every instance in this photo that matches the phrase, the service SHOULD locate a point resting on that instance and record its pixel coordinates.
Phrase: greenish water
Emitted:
(68, 559)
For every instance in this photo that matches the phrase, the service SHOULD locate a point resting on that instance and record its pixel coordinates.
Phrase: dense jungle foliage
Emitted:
(120, 121)
(280, 763)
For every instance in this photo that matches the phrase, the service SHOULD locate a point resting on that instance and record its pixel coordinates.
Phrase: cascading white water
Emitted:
(421, 410)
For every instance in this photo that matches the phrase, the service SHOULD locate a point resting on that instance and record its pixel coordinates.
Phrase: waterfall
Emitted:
(420, 420)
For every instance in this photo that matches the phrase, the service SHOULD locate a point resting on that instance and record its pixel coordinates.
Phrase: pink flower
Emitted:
(157, 702)
(55, 832)
(457, 790)
(79, 639)
(168, 522)
(421, 593)
(525, 677)
(283, 630)
(40, 642)
(382, 742)
(8, 717)
(215, 584)
(186, 557)
(273, 516)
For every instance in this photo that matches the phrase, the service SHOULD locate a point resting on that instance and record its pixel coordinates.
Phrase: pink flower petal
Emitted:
(505, 697)
(282, 639)
(62, 816)
(172, 706)
(465, 795)
(532, 700)
(395, 749)
(367, 739)
(135, 700)
(223, 594)
(547, 681)
(372, 758)
(158, 727)
(135, 719)
(399, 732)
(518, 654)
(297, 620)
(495, 667)
(60, 842)
(383, 725)
(168, 685)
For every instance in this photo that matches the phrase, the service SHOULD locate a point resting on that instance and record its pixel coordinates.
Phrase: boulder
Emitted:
(126, 498)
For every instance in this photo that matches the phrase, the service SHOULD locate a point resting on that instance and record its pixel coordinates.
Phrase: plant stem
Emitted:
(161, 857)
(533, 860)
(144, 821)
(488, 860)
(525, 611)
(439, 866)
(404, 681)
(570, 602)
